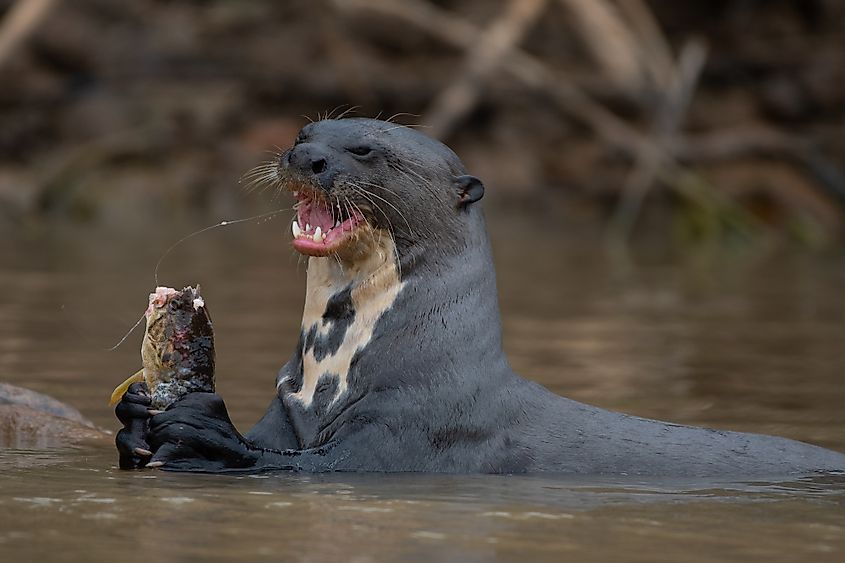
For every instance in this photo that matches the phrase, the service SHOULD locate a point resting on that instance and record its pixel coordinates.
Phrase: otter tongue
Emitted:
(319, 215)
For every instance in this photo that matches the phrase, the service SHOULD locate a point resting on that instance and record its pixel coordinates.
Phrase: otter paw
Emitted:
(131, 441)
(196, 434)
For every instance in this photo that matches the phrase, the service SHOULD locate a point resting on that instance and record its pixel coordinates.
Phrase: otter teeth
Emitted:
(318, 235)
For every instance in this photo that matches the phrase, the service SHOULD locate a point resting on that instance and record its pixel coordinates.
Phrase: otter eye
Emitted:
(361, 150)
(300, 138)
(173, 305)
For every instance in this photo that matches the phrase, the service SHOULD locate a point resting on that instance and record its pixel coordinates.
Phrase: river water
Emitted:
(748, 339)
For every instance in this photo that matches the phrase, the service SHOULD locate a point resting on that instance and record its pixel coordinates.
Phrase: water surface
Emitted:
(747, 340)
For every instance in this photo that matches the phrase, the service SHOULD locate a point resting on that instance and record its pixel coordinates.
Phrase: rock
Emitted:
(34, 420)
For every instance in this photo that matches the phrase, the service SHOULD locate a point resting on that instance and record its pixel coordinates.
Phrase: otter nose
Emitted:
(309, 160)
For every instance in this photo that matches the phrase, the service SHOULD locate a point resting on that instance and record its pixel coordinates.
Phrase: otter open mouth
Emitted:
(321, 229)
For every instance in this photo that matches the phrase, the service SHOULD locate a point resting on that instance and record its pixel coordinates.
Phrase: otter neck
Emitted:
(451, 304)
(343, 302)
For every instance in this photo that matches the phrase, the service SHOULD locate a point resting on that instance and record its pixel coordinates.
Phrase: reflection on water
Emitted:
(750, 343)
(85, 506)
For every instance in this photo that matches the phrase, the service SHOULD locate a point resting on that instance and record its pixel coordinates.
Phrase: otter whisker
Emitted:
(396, 254)
(346, 112)
(331, 113)
(400, 114)
(354, 206)
(262, 185)
(265, 165)
(259, 169)
(340, 211)
(365, 194)
(258, 176)
(392, 237)
(269, 176)
(379, 186)
(424, 180)
(339, 263)
(334, 254)
(264, 173)
(346, 204)
(418, 163)
(371, 231)
(388, 190)
(384, 188)
(278, 190)
(390, 234)
(360, 212)
(427, 185)
(404, 171)
(254, 185)
(370, 193)
(410, 126)
(260, 165)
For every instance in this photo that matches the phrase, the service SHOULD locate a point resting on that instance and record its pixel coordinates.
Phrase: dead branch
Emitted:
(20, 22)
(611, 42)
(653, 46)
(525, 68)
(481, 61)
(669, 120)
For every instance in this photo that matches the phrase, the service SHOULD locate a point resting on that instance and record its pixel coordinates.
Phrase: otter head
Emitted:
(358, 181)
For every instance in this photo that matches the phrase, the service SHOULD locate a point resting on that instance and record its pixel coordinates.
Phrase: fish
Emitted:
(177, 352)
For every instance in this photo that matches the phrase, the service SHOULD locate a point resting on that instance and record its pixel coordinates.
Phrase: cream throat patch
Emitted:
(356, 293)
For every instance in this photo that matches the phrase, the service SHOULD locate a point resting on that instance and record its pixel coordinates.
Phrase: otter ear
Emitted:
(470, 190)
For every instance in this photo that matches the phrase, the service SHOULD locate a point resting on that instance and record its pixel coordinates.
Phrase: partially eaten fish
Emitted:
(177, 353)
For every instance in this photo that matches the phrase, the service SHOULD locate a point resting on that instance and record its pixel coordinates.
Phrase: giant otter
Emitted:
(399, 365)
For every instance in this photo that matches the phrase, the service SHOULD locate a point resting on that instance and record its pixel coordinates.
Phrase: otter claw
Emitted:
(154, 464)
(154, 412)
(143, 452)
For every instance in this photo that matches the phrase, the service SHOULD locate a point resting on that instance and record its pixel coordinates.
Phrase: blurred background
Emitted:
(697, 120)
(665, 186)
(665, 199)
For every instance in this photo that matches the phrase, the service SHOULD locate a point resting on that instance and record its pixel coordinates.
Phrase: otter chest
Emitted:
(342, 307)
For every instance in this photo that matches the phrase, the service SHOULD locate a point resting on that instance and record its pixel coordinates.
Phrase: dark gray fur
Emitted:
(433, 390)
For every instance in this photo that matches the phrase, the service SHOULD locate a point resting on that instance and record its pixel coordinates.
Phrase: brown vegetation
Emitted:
(727, 114)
